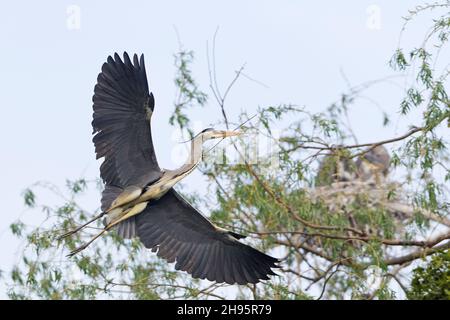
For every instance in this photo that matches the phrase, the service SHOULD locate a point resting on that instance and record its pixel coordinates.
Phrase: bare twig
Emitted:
(326, 281)
(417, 254)
(371, 145)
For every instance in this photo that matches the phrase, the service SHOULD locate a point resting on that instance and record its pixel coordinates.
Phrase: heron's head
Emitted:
(378, 159)
(378, 154)
(211, 133)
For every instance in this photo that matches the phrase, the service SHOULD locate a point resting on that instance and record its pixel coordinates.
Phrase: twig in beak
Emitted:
(236, 134)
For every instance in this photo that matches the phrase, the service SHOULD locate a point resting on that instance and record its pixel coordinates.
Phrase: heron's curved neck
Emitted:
(171, 177)
(195, 154)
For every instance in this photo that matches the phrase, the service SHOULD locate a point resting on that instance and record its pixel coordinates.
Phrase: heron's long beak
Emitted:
(224, 134)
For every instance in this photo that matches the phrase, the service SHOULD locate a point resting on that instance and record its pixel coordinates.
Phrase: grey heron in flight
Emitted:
(138, 199)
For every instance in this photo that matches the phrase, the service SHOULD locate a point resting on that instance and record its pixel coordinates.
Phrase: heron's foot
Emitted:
(77, 250)
(84, 246)
(67, 234)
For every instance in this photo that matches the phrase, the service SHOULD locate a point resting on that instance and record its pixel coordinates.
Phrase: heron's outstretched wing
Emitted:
(122, 110)
(180, 233)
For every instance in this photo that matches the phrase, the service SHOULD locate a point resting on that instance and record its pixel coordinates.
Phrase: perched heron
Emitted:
(335, 168)
(138, 199)
(374, 164)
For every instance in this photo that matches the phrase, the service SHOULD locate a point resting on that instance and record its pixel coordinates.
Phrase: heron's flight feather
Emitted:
(122, 110)
(180, 233)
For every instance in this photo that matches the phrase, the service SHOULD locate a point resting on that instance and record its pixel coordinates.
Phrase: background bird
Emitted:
(374, 164)
(138, 199)
(335, 167)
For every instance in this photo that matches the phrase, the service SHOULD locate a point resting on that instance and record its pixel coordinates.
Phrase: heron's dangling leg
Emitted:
(84, 246)
(128, 194)
(65, 235)
(127, 214)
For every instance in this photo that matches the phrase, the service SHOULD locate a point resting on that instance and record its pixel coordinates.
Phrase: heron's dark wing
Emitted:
(122, 110)
(180, 233)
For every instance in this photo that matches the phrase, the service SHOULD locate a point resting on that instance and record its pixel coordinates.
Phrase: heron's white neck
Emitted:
(195, 155)
(196, 152)
(171, 177)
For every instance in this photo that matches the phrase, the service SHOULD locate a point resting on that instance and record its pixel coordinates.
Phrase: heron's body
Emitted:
(128, 203)
(139, 199)
(335, 168)
(374, 164)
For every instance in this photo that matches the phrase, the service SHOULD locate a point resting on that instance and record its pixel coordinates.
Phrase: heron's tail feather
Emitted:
(127, 228)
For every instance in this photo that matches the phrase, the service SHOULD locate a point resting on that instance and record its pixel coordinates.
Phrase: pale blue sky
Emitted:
(296, 48)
